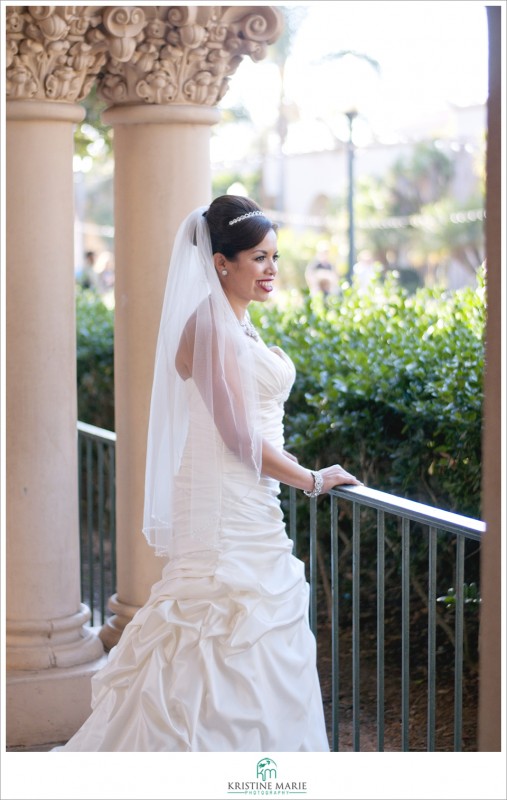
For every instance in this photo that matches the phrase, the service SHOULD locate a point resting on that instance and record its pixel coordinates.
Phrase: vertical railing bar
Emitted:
(432, 627)
(313, 565)
(293, 519)
(112, 494)
(405, 631)
(100, 525)
(458, 653)
(89, 518)
(335, 629)
(356, 532)
(380, 628)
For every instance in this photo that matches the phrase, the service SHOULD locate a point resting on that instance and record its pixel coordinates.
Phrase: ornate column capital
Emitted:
(182, 54)
(149, 54)
(49, 55)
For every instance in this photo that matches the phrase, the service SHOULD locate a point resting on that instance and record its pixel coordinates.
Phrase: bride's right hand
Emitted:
(337, 476)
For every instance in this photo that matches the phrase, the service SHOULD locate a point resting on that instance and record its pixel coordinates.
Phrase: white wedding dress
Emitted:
(221, 657)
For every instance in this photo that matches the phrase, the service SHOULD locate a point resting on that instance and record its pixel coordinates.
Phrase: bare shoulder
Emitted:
(185, 353)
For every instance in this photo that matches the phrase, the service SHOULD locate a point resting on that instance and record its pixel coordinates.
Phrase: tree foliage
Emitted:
(92, 129)
(390, 385)
(411, 212)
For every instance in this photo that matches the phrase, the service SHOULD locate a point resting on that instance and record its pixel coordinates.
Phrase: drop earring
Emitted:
(224, 272)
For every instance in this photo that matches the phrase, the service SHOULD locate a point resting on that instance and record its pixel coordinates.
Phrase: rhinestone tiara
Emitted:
(245, 216)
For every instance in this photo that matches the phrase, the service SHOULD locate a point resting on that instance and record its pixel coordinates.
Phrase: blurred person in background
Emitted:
(320, 274)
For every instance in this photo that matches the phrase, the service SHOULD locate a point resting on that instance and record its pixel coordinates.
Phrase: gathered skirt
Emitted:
(221, 657)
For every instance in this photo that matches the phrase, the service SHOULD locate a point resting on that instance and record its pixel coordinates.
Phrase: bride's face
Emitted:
(251, 274)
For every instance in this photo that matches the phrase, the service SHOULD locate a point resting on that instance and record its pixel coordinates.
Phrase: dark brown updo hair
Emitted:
(243, 235)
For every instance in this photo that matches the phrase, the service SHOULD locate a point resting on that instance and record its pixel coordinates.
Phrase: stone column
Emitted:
(162, 171)
(162, 107)
(46, 631)
(44, 616)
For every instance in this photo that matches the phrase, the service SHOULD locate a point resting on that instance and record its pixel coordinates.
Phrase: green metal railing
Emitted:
(408, 513)
(97, 516)
(98, 575)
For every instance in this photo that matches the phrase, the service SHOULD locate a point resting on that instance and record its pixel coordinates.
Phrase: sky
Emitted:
(431, 53)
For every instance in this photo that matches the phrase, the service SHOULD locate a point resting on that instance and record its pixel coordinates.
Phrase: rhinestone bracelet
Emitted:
(318, 483)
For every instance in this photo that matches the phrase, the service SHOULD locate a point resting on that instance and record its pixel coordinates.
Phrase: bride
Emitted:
(221, 657)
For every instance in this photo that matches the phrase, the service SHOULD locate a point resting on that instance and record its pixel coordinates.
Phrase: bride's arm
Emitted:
(280, 466)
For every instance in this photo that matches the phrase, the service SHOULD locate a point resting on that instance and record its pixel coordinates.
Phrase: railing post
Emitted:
(313, 565)
(293, 534)
(432, 619)
(405, 632)
(380, 628)
(458, 647)
(335, 628)
(356, 659)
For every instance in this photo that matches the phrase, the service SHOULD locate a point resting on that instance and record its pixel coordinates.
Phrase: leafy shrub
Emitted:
(389, 385)
(95, 360)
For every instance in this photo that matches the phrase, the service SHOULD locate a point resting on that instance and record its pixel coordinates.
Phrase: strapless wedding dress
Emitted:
(221, 657)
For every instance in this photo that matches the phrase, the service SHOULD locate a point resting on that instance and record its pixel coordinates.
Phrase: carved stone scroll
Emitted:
(186, 54)
(148, 54)
(48, 56)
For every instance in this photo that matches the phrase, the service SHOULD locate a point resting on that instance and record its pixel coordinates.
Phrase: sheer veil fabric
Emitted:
(200, 342)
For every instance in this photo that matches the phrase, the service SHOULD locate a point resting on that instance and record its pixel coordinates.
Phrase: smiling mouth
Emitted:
(266, 285)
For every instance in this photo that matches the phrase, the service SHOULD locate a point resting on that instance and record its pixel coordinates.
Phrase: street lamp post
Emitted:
(355, 86)
(351, 115)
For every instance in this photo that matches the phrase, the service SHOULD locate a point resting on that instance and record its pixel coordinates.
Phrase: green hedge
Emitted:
(95, 360)
(390, 386)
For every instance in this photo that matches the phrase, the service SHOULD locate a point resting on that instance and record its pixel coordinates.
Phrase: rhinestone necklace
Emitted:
(249, 328)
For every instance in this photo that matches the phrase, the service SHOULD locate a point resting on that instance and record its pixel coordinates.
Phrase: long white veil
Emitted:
(202, 413)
